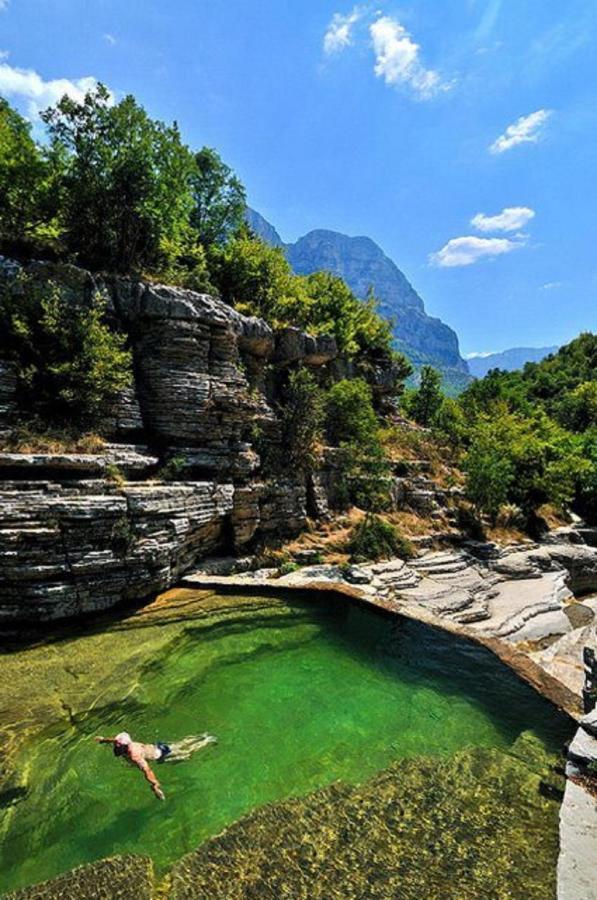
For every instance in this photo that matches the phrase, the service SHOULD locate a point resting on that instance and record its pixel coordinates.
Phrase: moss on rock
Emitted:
(474, 825)
(118, 878)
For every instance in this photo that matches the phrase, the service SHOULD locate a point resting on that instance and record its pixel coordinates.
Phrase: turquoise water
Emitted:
(331, 693)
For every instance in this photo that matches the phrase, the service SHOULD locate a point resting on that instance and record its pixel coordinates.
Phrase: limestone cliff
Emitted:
(72, 537)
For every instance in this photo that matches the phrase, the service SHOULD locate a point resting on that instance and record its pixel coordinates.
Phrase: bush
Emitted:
(114, 475)
(257, 280)
(352, 423)
(363, 479)
(173, 469)
(468, 521)
(70, 364)
(351, 417)
(510, 516)
(124, 537)
(424, 403)
(301, 415)
(374, 538)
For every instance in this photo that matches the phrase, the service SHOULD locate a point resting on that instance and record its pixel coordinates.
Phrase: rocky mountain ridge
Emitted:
(507, 360)
(364, 265)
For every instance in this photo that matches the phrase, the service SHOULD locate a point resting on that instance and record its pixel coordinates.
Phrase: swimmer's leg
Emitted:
(183, 750)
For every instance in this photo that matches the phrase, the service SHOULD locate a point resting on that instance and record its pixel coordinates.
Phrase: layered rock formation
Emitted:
(81, 532)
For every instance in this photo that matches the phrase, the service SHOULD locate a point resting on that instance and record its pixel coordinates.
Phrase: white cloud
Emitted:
(464, 251)
(510, 219)
(551, 286)
(339, 32)
(483, 354)
(397, 59)
(526, 130)
(27, 85)
(110, 39)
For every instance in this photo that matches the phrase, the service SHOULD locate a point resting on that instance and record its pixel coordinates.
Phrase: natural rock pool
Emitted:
(300, 693)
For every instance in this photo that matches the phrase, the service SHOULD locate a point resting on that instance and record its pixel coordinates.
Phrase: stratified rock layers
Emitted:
(80, 537)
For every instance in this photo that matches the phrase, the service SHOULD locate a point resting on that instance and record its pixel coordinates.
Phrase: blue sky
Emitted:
(401, 121)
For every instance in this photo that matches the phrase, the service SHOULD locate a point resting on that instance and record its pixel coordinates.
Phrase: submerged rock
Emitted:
(425, 828)
(124, 877)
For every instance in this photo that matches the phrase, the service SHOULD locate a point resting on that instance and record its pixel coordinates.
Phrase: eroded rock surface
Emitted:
(80, 532)
(119, 878)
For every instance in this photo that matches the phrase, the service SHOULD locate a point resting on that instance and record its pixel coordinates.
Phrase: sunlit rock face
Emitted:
(75, 540)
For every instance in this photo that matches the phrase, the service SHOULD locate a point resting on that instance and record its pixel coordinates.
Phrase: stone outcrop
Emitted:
(181, 479)
(72, 548)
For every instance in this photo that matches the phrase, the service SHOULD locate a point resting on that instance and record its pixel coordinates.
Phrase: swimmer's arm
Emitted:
(150, 777)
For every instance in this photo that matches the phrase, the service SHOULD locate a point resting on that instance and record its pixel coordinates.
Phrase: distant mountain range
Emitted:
(364, 265)
(507, 360)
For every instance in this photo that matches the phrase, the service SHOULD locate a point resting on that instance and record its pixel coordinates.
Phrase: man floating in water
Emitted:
(138, 754)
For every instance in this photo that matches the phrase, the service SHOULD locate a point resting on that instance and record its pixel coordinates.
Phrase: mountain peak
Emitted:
(364, 265)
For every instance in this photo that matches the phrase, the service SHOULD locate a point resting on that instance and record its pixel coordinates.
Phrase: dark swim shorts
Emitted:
(164, 749)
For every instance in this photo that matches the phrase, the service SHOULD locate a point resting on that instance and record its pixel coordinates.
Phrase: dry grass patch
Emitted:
(26, 439)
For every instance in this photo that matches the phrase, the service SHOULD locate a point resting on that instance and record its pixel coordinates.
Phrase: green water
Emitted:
(331, 692)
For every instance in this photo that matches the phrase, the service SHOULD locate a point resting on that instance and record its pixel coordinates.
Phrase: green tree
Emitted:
(577, 410)
(352, 425)
(126, 184)
(350, 414)
(29, 186)
(219, 199)
(425, 402)
(489, 473)
(70, 364)
(252, 276)
(257, 280)
(301, 414)
(450, 421)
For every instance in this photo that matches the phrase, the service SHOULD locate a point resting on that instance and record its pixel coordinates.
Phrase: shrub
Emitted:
(374, 538)
(363, 480)
(257, 280)
(114, 475)
(70, 364)
(510, 516)
(468, 521)
(301, 415)
(351, 417)
(424, 403)
(123, 537)
(352, 423)
(173, 469)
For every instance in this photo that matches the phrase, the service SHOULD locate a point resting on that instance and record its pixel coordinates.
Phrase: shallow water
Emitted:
(331, 692)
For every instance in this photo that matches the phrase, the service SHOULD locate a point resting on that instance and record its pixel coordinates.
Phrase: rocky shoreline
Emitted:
(520, 603)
